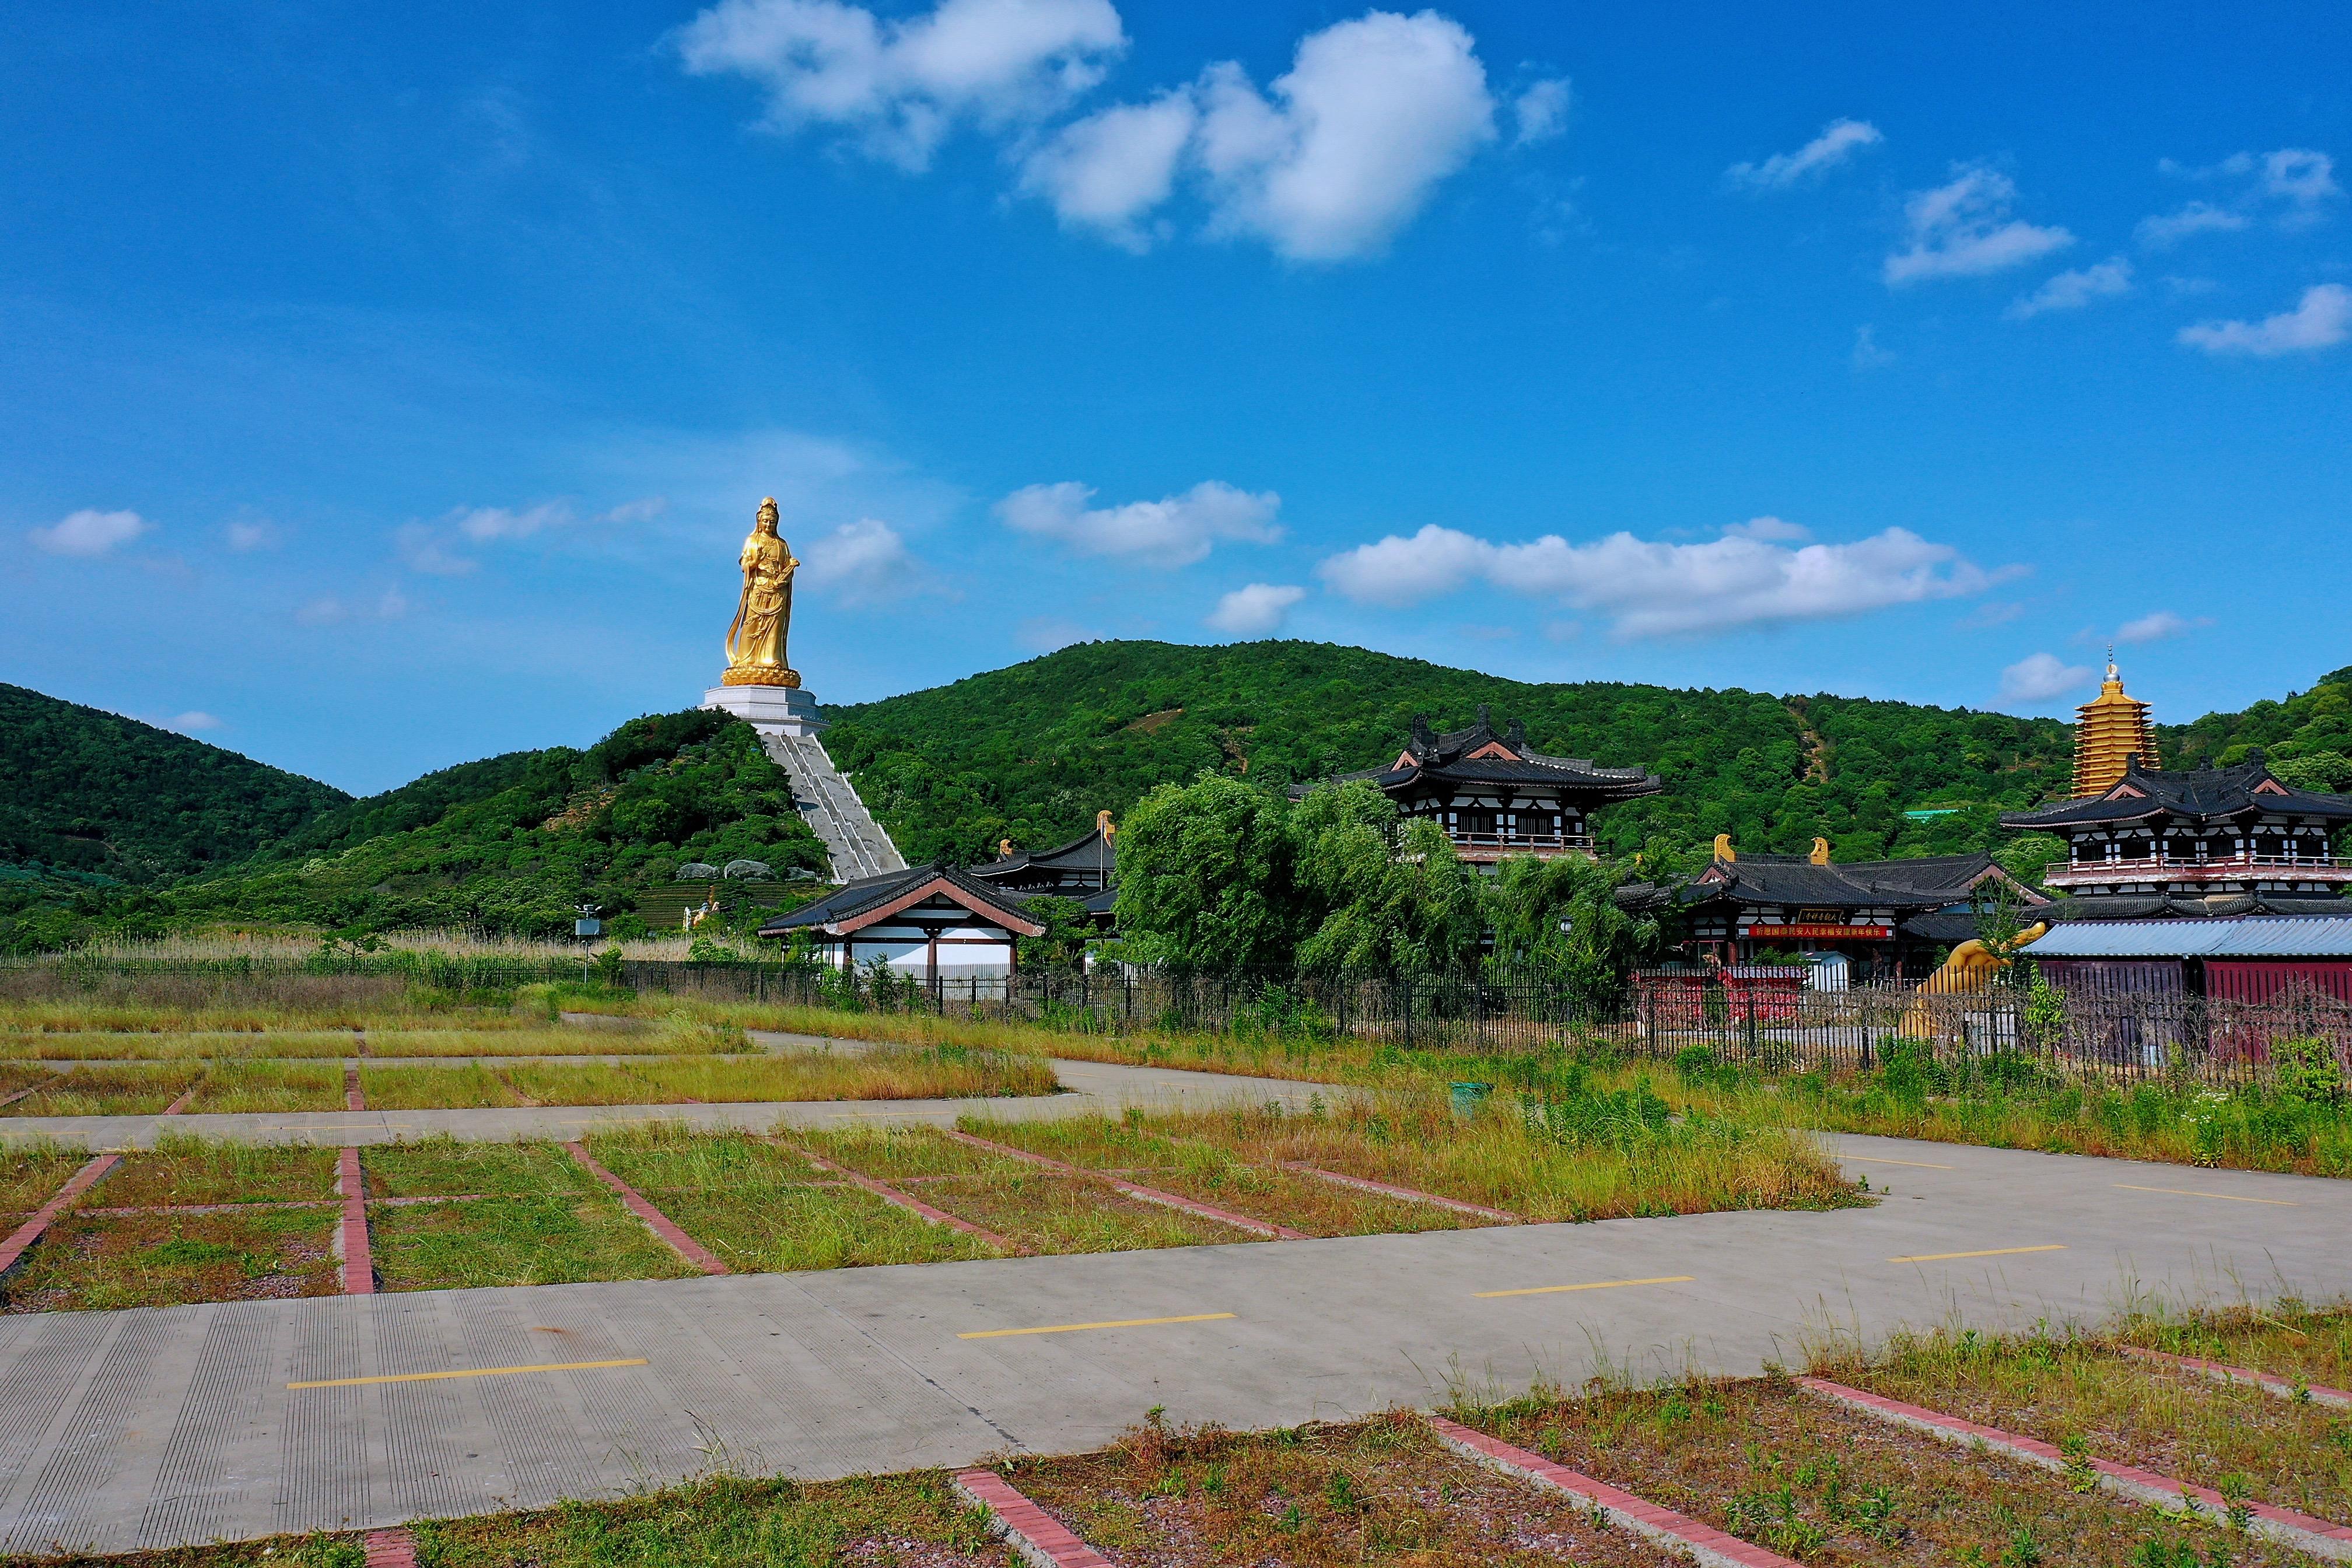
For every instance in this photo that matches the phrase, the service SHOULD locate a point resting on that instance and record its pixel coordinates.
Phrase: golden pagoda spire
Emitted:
(2110, 729)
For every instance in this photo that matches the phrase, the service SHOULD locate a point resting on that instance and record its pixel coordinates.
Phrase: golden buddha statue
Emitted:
(755, 643)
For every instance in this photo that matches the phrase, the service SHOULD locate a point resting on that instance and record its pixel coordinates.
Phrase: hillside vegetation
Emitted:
(108, 824)
(507, 845)
(86, 792)
(1031, 752)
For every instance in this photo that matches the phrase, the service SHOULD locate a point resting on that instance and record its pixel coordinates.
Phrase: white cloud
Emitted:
(1773, 529)
(1963, 228)
(1107, 170)
(1539, 112)
(1397, 572)
(2321, 320)
(1839, 140)
(1327, 165)
(246, 536)
(1256, 611)
(863, 562)
(1174, 532)
(483, 524)
(2166, 229)
(2073, 290)
(421, 550)
(2039, 676)
(2159, 625)
(90, 532)
(433, 547)
(1867, 354)
(194, 719)
(1652, 588)
(899, 87)
(1372, 114)
(2301, 176)
(328, 610)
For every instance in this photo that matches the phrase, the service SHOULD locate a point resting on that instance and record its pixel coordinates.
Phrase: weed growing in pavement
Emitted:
(2073, 1390)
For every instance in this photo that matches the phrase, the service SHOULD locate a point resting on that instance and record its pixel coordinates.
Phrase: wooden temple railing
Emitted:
(2184, 868)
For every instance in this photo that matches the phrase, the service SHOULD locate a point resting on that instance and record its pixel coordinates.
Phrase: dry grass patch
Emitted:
(442, 1166)
(470, 1087)
(92, 1264)
(182, 1170)
(551, 1239)
(236, 1086)
(765, 1208)
(1830, 1486)
(177, 1045)
(2287, 1340)
(31, 1175)
(140, 1089)
(1153, 1154)
(2096, 1404)
(1036, 1208)
(1382, 1491)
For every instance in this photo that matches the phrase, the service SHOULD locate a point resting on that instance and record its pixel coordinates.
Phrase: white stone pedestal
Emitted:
(780, 710)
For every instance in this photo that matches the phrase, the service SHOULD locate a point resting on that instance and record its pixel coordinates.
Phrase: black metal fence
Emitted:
(2116, 1035)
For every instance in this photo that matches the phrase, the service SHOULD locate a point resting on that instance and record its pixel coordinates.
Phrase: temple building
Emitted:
(1086, 868)
(1494, 795)
(930, 920)
(2110, 731)
(1889, 919)
(1086, 864)
(2207, 841)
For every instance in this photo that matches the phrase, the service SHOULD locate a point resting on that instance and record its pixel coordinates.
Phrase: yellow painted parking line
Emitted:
(2225, 1197)
(468, 1372)
(1593, 1284)
(1986, 1252)
(1914, 1165)
(1114, 1323)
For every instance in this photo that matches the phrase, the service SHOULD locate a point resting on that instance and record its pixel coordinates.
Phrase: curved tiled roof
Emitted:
(855, 903)
(1450, 758)
(1926, 882)
(2198, 795)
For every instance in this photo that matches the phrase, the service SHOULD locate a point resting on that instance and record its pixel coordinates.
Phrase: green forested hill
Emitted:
(508, 845)
(87, 791)
(2308, 739)
(1031, 752)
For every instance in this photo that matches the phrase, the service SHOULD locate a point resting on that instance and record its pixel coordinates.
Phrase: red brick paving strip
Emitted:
(187, 1095)
(20, 1240)
(2222, 1372)
(890, 1195)
(353, 1098)
(36, 1089)
(359, 1262)
(1410, 1194)
(391, 1548)
(660, 1224)
(1149, 1194)
(2284, 1525)
(1036, 1536)
(1674, 1530)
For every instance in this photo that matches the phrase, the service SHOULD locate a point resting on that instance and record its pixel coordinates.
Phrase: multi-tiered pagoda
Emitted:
(1495, 796)
(2110, 731)
(2144, 842)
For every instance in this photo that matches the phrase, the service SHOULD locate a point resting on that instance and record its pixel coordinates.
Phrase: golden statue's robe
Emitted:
(755, 642)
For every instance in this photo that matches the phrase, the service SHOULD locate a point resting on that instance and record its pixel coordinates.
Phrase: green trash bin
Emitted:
(1469, 1099)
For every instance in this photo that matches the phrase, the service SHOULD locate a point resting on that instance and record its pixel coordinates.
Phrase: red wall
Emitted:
(2241, 980)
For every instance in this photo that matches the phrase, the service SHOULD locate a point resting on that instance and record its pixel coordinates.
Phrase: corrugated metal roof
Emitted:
(2289, 936)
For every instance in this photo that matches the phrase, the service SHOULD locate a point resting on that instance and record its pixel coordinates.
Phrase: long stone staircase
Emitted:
(856, 841)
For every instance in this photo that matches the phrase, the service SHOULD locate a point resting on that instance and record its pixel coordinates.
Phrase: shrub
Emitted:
(2305, 1067)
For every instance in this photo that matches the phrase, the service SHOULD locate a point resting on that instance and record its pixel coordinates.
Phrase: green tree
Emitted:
(1205, 876)
(1383, 894)
(1562, 916)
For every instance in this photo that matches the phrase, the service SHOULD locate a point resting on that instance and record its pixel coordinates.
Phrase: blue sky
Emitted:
(387, 386)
